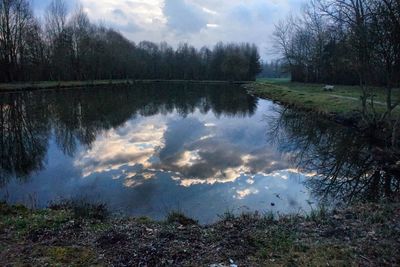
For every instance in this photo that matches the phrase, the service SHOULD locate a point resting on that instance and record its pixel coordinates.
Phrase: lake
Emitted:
(149, 149)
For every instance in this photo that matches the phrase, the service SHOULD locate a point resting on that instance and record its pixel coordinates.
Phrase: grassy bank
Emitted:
(366, 234)
(10, 87)
(343, 101)
(55, 84)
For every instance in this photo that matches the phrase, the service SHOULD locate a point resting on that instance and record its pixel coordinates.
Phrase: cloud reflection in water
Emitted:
(192, 151)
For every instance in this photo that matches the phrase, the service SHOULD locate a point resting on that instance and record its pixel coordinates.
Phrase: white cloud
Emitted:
(134, 145)
(199, 22)
(212, 25)
(184, 17)
(242, 194)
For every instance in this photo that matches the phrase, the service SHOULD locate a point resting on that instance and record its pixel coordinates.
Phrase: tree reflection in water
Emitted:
(348, 166)
(75, 117)
(24, 131)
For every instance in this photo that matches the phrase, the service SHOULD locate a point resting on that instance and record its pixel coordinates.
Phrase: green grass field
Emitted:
(344, 100)
(274, 80)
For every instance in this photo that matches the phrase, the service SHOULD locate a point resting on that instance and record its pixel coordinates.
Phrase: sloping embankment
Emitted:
(366, 235)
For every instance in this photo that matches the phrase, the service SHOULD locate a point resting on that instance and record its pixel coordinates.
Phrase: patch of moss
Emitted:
(324, 255)
(144, 220)
(23, 220)
(6, 210)
(278, 247)
(275, 240)
(100, 227)
(70, 256)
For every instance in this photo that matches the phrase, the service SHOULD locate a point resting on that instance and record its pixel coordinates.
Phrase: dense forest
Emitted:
(343, 42)
(69, 47)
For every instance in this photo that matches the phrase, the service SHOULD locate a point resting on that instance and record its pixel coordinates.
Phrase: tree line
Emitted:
(67, 46)
(343, 42)
(348, 42)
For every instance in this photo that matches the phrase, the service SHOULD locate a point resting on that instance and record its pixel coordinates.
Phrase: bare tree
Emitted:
(80, 28)
(385, 29)
(58, 40)
(16, 21)
(55, 19)
(283, 39)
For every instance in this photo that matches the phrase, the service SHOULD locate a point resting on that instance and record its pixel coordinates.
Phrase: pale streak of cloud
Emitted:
(242, 194)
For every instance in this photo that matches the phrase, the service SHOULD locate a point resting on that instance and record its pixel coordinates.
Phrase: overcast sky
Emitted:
(198, 22)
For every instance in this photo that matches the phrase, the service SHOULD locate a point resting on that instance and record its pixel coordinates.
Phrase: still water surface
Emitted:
(150, 149)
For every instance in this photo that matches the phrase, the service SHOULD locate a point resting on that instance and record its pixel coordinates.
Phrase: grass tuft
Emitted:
(180, 218)
(228, 215)
(82, 209)
(318, 215)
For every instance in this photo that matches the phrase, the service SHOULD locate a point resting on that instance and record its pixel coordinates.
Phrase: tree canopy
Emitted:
(70, 47)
